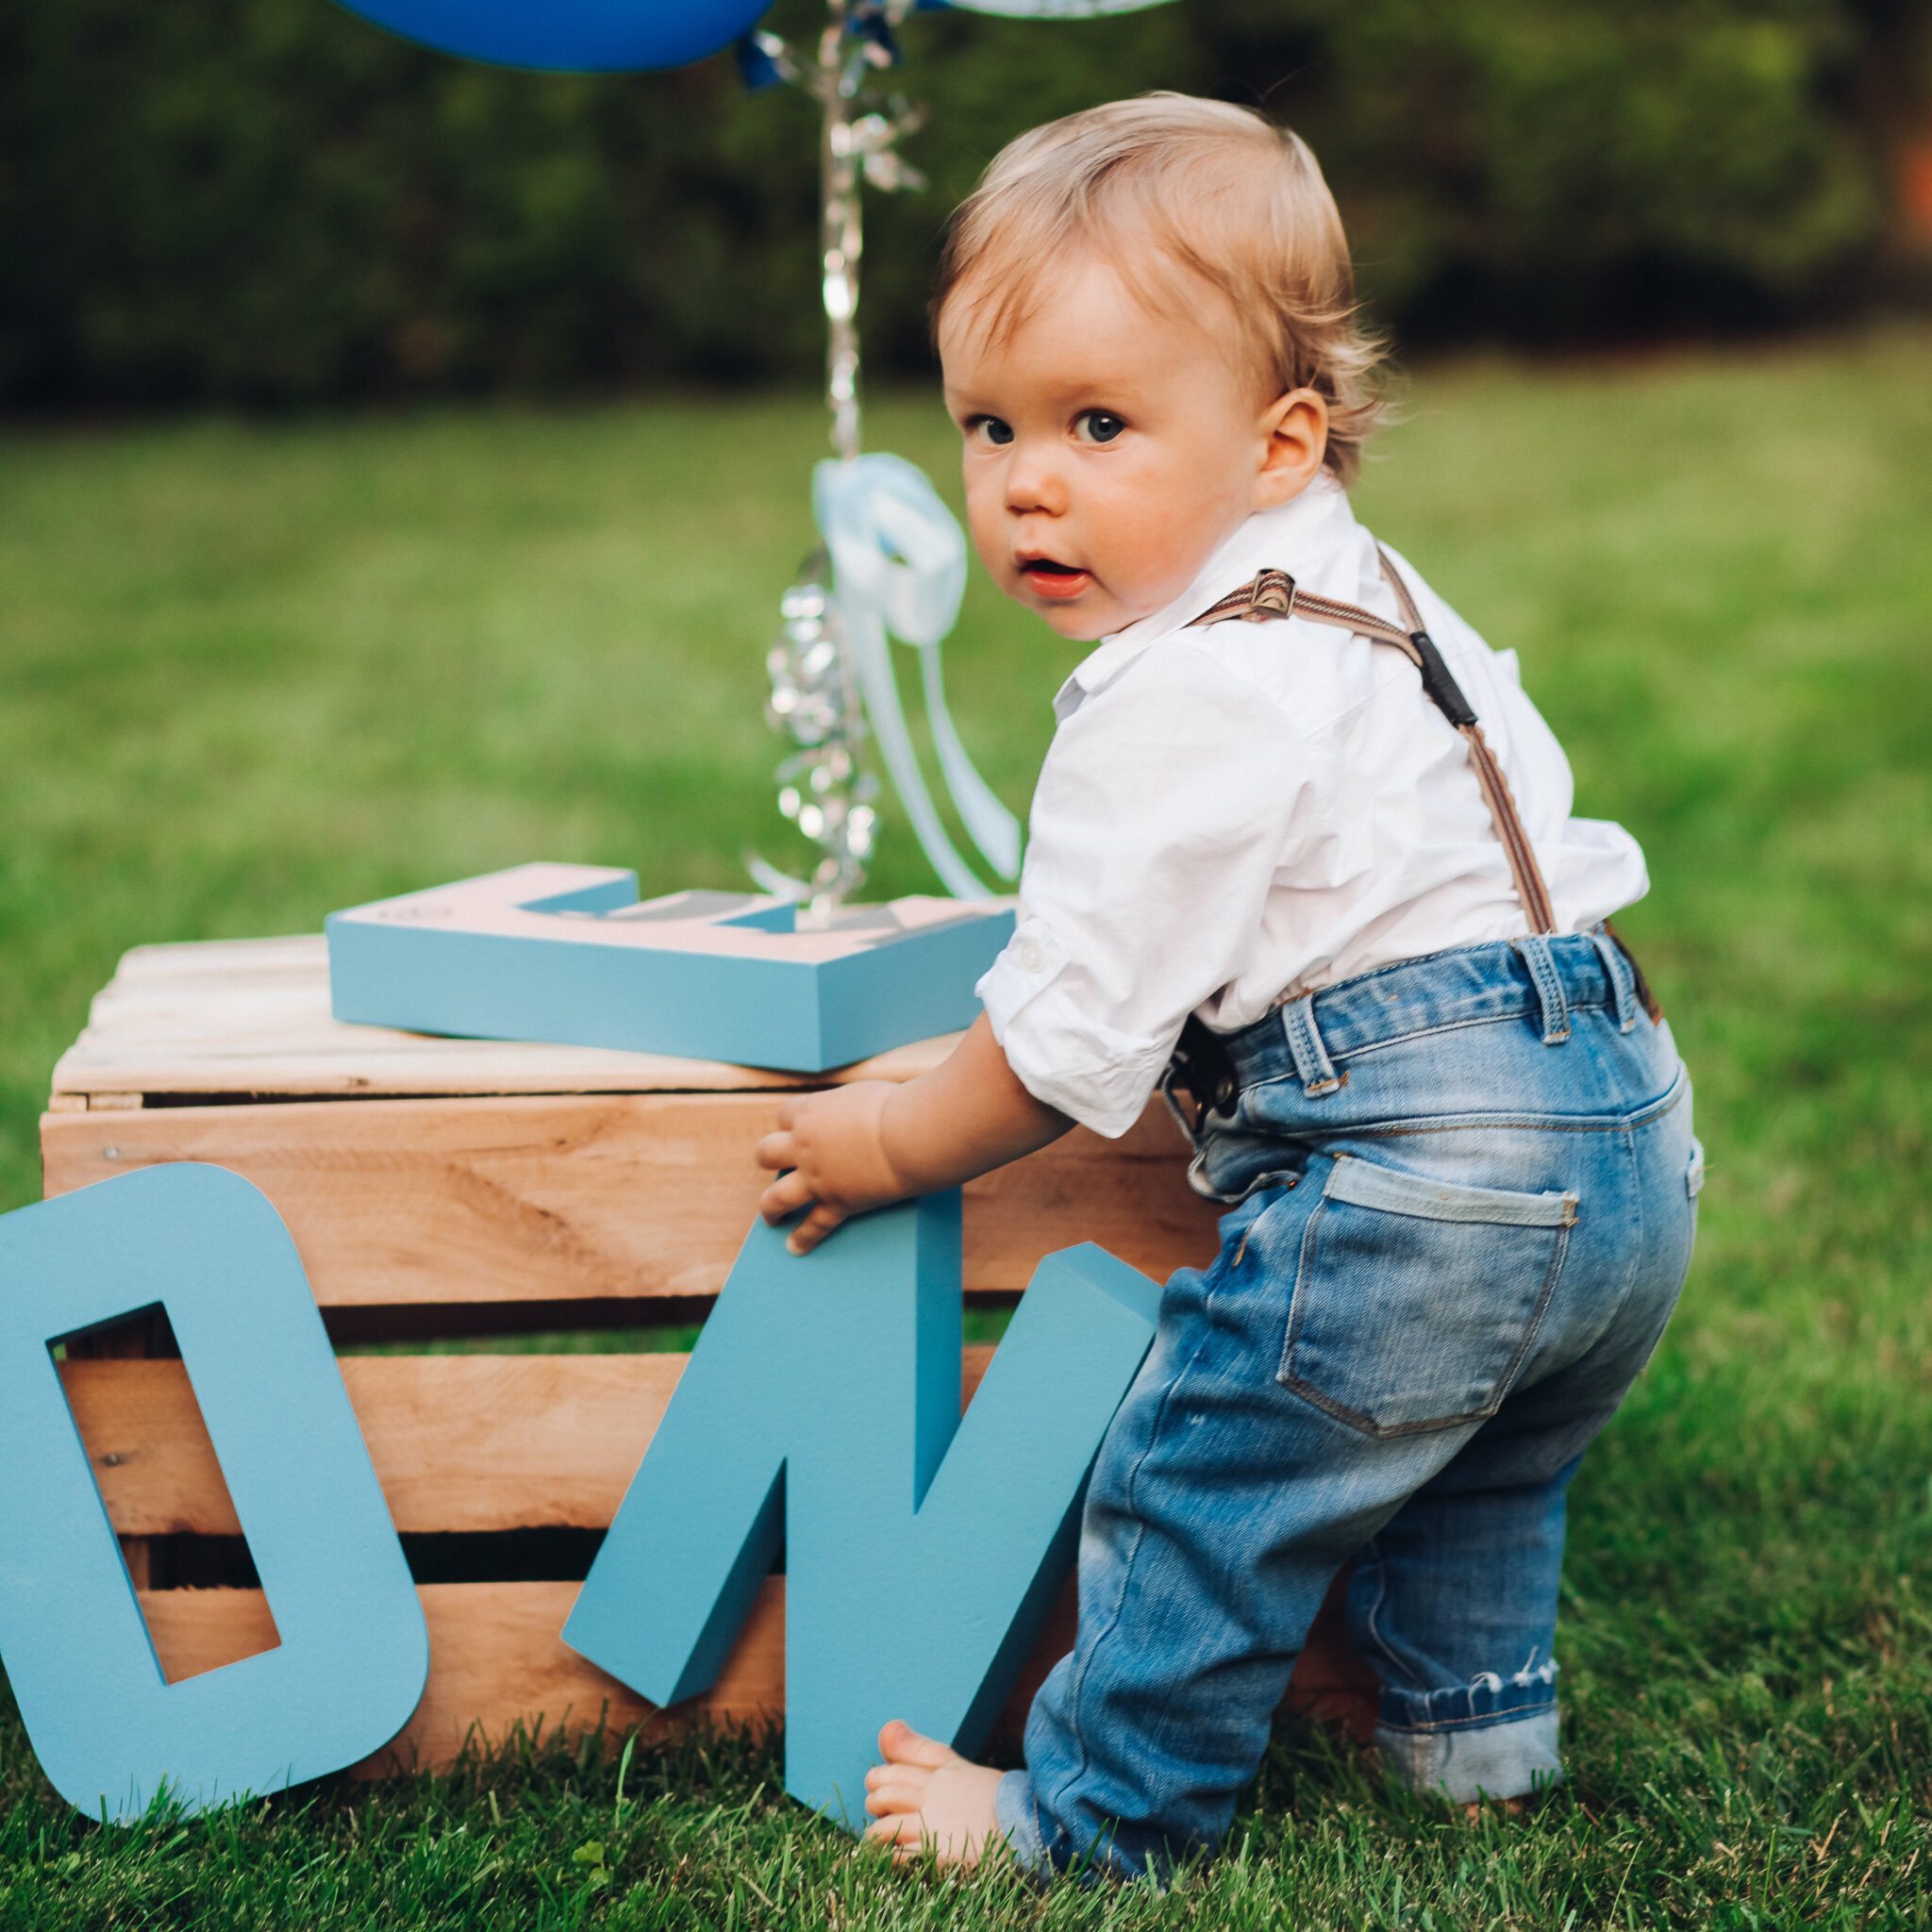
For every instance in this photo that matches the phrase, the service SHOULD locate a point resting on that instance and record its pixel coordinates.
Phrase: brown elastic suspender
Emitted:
(1274, 594)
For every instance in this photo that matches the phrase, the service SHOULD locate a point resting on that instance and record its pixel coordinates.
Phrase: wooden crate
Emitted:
(439, 1189)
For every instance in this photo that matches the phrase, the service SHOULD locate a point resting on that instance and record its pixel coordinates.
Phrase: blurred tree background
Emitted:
(272, 203)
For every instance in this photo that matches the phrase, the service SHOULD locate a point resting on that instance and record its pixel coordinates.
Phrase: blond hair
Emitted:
(1218, 191)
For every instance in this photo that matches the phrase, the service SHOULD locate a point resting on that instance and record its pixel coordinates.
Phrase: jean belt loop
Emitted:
(1549, 987)
(1311, 1062)
(1623, 981)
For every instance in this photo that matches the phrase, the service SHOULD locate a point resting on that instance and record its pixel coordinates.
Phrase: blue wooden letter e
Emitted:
(820, 1408)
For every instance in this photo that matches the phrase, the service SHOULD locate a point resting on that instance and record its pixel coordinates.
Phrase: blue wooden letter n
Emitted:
(821, 1412)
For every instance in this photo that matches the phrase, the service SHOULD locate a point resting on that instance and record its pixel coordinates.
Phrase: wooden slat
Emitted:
(252, 1016)
(124, 1341)
(197, 1630)
(149, 1448)
(531, 1199)
(459, 1442)
(495, 1658)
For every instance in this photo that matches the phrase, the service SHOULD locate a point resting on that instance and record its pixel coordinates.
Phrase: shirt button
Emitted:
(1032, 956)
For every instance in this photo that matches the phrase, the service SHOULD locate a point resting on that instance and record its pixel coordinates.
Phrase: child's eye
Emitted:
(990, 430)
(1097, 426)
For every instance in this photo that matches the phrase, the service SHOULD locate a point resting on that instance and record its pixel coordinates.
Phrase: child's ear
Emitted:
(1294, 439)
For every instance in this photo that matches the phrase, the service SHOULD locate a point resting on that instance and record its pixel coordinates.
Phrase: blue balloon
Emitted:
(572, 36)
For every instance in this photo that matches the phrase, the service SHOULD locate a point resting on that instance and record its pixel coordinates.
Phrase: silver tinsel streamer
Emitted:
(825, 789)
(822, 788)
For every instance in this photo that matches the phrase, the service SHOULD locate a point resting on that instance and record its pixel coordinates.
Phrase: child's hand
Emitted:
(851, 1148)
(833, 1145)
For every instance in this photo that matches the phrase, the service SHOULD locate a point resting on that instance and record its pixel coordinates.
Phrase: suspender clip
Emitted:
(1442, 688)
(1204, 1066)
(1269, 596)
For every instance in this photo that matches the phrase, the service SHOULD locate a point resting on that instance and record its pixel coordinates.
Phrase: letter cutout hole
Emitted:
(109, 1732)
(111, 1432)
(821, 1409)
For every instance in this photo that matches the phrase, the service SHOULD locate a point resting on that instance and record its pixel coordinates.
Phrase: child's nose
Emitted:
(1034, 482)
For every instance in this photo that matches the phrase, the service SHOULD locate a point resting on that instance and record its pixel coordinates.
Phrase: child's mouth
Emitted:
(1046, 578)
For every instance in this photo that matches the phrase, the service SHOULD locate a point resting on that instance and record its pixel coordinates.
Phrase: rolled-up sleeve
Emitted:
(1164, 809)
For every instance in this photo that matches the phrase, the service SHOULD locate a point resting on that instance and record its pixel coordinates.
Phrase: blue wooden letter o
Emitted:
(108, 1730)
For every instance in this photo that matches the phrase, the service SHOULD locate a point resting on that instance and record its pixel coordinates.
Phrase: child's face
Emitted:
(1110, 447)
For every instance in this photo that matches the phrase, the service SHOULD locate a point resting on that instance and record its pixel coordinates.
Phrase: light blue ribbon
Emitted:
(899, 559)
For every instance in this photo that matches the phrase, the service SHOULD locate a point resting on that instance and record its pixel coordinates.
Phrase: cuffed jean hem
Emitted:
(1020, 1824)
(1013, 1802)
(1463, 1763)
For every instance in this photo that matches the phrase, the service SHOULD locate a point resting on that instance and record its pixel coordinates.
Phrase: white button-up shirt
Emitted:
(1238, 814)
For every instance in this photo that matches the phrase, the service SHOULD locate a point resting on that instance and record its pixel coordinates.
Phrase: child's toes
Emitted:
(901, 1830)
(891, 1796)
(899, 1744)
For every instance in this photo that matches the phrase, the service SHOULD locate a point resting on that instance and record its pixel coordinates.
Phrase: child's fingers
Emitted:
(776, 1151)
(813, 1228)
(786, 1195)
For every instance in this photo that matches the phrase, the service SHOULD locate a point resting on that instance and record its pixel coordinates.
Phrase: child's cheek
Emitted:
(1149, 541)
(986, 527)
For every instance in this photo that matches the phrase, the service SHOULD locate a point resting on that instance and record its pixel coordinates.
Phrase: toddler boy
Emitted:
(1302, 840)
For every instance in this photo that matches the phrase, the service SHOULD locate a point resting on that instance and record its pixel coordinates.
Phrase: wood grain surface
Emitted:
(459, 1442)
(238, 1017)
(534, 1198)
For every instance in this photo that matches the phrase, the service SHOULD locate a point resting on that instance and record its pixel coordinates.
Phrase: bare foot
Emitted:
(1508, 1808)
(926, 1800)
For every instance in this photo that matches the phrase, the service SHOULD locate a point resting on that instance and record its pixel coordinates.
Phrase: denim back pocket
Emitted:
(1416, 1300)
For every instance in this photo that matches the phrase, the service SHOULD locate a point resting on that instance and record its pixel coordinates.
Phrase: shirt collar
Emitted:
(1297, 536)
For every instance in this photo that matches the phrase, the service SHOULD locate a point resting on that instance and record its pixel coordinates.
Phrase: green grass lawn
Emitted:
(250, 673)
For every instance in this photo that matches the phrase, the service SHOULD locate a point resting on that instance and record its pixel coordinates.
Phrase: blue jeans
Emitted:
(1466, 1191)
